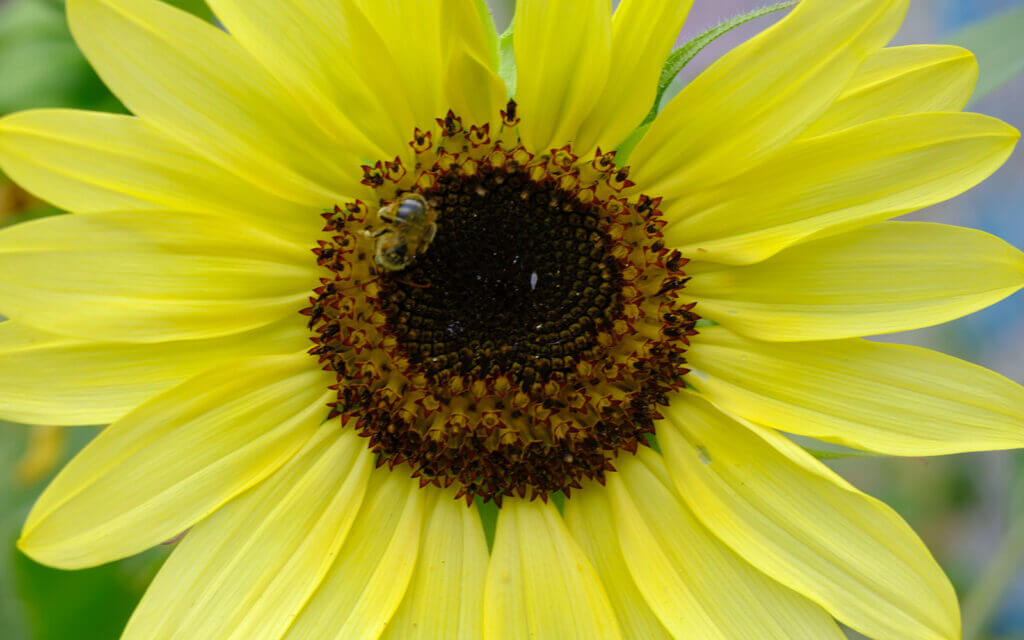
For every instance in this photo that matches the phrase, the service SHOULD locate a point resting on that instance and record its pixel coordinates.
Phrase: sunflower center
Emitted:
(497, 319)
(519, 280)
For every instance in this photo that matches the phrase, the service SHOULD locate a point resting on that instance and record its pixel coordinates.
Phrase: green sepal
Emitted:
(197, 8)
(682, 56)
(675, 63)
(507, 60)
(489, 517)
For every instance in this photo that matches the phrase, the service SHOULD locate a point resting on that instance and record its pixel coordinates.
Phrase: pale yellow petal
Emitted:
(698, 587)
(895, 399)
(562, 50)
(245, 572)
(883, 278)
(93, 162)
(196, 83)
(444, 56)
(797, 521)
(373, 567)
(901, 80)
(540, 585)
(836, 182)
(589, 516)
(643, 32)
(756, 98)
(51, 379)
(475, 92)
(411, 30)
(333, 63)
(445, 596)
(149, 276)
(468, 24)
(176, 459)
(472, 86)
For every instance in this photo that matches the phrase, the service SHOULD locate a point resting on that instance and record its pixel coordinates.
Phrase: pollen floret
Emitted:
(530, 343)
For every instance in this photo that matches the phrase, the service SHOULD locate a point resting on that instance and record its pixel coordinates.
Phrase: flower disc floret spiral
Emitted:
(531, 342)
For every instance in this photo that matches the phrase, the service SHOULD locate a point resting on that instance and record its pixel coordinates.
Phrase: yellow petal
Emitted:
(884, 278)
(836, 182)
(562, 50)
(643, 32)
(245, 572)
(176, 459)
(412, 32)
(693, 582)
(474, 90)
(318, 50)
(759, 96)
(901, 80)
(93, 162)
(468, 25)
(797, 521)
(149, 276)
(372, 570)
(445, 596)
(50, 379)
(196, 83)
(540, 585)
(895, 399)
(472, 86)
(589, 516)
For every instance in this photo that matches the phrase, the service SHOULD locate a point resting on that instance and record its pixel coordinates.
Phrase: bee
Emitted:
(411, 224)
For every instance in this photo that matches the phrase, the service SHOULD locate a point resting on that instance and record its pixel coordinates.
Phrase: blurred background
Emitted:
(968, 508)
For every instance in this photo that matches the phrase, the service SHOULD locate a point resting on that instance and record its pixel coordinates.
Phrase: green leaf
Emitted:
(998, 43)
(684, 54)
(507, 68)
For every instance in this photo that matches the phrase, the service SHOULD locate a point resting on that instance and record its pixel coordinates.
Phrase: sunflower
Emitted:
(357, 271)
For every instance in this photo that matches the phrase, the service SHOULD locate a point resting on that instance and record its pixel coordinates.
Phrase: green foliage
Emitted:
(998, 43)
(40, 64)
(40, 603)
(90, 604)
(507, 57)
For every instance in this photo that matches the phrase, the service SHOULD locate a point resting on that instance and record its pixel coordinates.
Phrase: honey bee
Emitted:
(411, 224)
